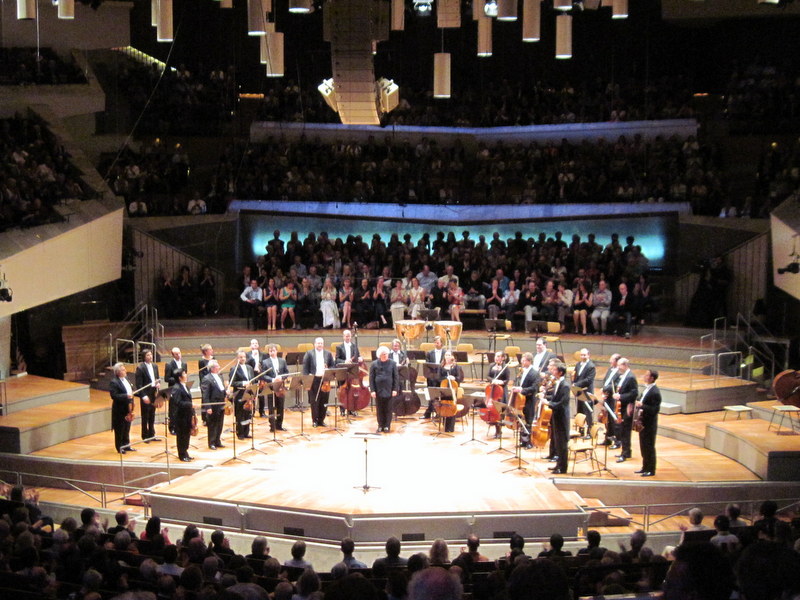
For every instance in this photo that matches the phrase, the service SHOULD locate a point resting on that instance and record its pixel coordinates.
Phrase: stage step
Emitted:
(668, 408)
(31, 391)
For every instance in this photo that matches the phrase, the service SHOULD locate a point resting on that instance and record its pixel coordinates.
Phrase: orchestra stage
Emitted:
(421, 485)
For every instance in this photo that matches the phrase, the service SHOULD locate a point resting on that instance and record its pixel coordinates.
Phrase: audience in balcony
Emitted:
(37, 66)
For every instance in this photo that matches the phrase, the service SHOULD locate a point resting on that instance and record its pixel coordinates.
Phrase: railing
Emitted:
(750, 338)
(3, 398)
(116, 348)
(695, 358)
(720, 324)
(80, 485)
(138, 353)
(738, 363)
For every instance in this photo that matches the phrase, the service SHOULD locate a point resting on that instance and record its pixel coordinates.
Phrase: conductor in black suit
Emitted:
(585, 372)
(122, 404)
(559, 422)
(627, 392)
(172, 370)
(212, 389)
(384, 383)
(239, 377)
(273, 370)
(315, 362)
(649, 404)
(148, 385)
(184, 411)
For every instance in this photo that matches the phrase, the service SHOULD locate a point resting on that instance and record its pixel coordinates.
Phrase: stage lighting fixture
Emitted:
(423, 8)
(490, 8)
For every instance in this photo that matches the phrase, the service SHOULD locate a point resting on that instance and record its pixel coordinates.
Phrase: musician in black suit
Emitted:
(148, 385)
(172, 370)
(649, 404)
(273, 370)
(609, 386)
(384, 385)
(184, 411)
(347, 354)
(241, 373)
(212, 389)
(202, 364)
(543, 356)
(559, 422)
(585, 372)
(122, 404)
(627, 392)
(397, 354)
(435, 356)
(527, 384)
(254, 359)
(452, 371)
(499, 376)
(315, 362)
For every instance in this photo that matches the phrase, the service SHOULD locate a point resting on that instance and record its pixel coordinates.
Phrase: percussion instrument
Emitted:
(442, 328)
(409, 330)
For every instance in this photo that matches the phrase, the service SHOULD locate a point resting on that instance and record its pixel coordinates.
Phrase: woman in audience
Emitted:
(416, 298)
(346, 295)
(455, 296)
(288, 299)
(328, 306)
(581, 303)
(399, 301)
(271, 302)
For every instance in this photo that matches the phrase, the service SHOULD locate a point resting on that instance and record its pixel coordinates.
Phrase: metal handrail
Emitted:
(738, 362)
(724, 328)
(148, 344)
(116, 347)
(710, 338)
(749, 336)
(696, 357)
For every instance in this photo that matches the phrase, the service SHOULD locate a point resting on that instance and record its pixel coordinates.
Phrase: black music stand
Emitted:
(429, 315)
(235, 435)
(430, 371)
(415, 354)
(366, 436)
(336, 374)
(603, 468)
(502, 406)
(296, 359)
(537, 328)
(474, 408)
(297, 385)
(272, 417)
(252, 391)
(516, 415)
(167, 448)
(487, 357)
(437, 395)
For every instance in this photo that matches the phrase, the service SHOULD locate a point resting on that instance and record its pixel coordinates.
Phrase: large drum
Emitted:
(409, 331)
(441, 328)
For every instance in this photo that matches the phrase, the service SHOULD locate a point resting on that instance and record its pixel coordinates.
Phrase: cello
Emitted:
(494, 393)
(540, 432)
(450, 406)
(787, 387)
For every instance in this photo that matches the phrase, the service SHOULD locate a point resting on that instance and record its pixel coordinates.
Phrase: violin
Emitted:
(129, 416)
(193, 430)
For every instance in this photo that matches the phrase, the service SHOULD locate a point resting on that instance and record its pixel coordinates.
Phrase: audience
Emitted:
(37, 66)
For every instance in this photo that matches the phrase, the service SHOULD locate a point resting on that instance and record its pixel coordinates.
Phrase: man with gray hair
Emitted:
(121, 407)
(213, 404)
(384, 383)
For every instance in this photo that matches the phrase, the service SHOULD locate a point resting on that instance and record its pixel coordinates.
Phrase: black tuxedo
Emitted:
(237, 378)
(171, 372)
(530, 386)
(275, 403)
(120, 406)
(559, 424)
(383, 380)
(651, 403)
(255, 364)
(609, 384)
(585, 379)
(400, 357)
(316, 397)
(628, 390)
(202, 367)
(430, 357)
(545, 361)
(213, 399)
(184, 411)
(340, 353)
(148, 408)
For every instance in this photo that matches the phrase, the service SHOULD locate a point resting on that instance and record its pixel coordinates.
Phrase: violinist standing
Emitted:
(273, 370)
(527, 384)
(559, 424)
(315, 362)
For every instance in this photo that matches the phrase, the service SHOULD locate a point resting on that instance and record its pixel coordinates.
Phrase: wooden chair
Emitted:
(426, 346)
(585, 448)
(469, 349)
(578, 423)
(305, 347)
(512, 352)
(334, 346)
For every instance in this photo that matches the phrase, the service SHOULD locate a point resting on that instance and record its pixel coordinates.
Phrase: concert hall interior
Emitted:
(417, 274)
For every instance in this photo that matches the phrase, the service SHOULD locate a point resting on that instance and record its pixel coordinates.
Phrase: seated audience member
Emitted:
(734, 513)
(123, 524)
(769, 526)
(417, 562)
(556, 545)
(434, 583)
(699, 571)
(473, 544)
(298, 554)
(392, 558)
(439, 553)
(724, 539)
(348, 547)
(170, 566)
(538, 579)
(308, 584)
(593, 547)
(767, 571)
(637, 541)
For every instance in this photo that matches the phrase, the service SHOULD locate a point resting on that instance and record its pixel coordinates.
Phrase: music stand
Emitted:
(298, 383)
(167, 453)
(493, 325)
(366, 436)
(580, 396)
(272, 417)
(611, 415)
(415, 354)
(430, 371)
(502, 406)
(330, 375)
(474, 408)
(296, 358)
(252, 391)
(536, 327)
(437, 395)
(516, 415)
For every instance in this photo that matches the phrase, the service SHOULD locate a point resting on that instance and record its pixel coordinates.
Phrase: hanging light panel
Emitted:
(275, 67)
(531, 20)
(164, 26)
(256, 18)
(506, 10)
(441, 75)
(619, 9)
(398, 15)
(484, 36)
(26, 9)
(66, 9)
(564, 36)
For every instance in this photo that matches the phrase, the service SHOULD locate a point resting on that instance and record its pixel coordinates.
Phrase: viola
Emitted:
(193, 430)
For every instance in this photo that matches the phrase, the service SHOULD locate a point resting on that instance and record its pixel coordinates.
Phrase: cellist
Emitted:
(527, 384)
(499, 377)
(451, 372)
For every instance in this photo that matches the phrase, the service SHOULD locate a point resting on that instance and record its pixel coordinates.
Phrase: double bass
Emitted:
(407, 402)
(787, 387)
(353, 395)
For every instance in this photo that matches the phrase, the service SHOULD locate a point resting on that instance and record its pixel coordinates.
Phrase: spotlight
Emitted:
(423, 8)
(490, 8)
(790, 268)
